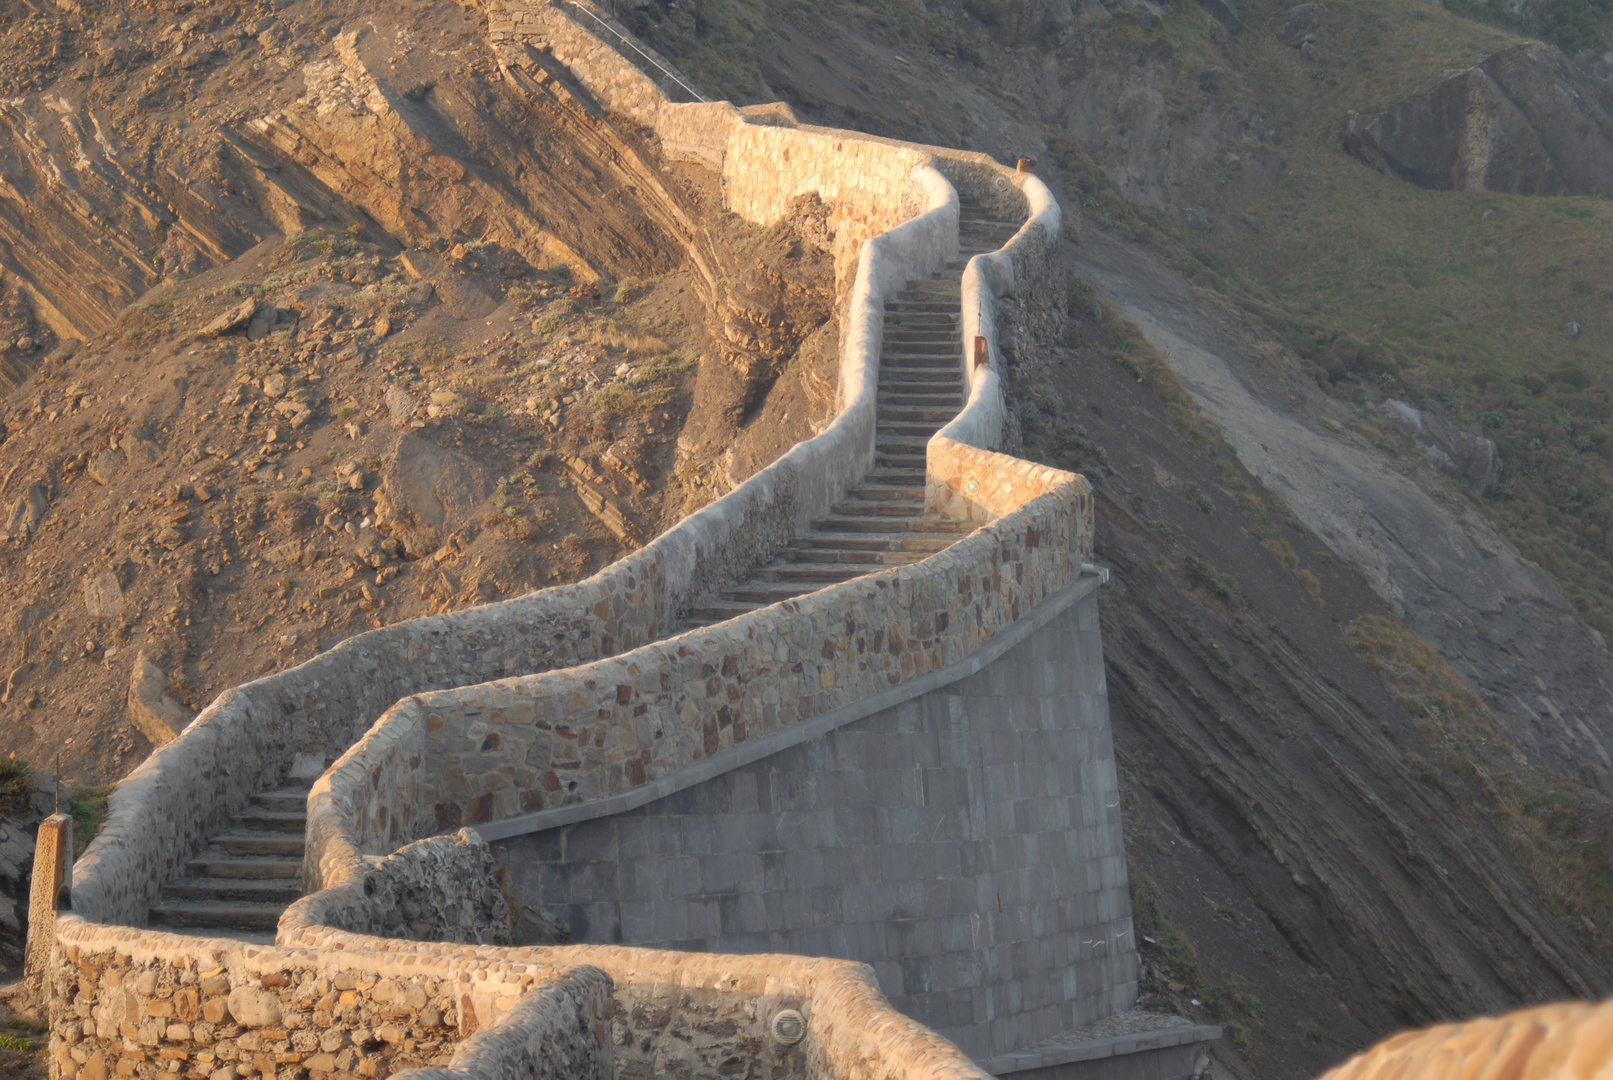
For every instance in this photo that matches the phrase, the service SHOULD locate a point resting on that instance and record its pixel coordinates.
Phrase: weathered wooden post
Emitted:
(53, 859)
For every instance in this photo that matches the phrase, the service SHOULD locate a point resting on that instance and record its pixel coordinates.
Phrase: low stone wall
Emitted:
(143, 1004)
(1027, 268)
(497, 750)
(440, 889)
(556, 1032)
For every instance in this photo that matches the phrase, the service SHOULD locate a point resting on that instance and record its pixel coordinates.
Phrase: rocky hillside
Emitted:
(399, 342)
(1350, 460)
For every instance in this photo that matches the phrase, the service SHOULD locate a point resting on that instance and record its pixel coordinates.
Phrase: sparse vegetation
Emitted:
(1555, 834)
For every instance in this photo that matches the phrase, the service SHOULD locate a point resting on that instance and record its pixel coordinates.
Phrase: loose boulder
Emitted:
(1523, 120)
(427, 492)
(151, 708)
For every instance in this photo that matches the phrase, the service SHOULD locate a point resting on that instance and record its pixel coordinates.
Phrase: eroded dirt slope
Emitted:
(415, 326)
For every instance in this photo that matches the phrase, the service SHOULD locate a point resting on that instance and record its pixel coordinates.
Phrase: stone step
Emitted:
(280, 891)
(890, 529)
(921, 337)
(881, 508)
(901, 444)
(926, 307)
(225, 867)
(893, 492)
(820, 574)
(924, 428)
(240, 915)
(946, 319)
(286, 800)
(717, 612)
(945, 380)
(916, 414)
(254, 819)
(767, 593)
(899, 461)
(870, 560)
(235, 933)
(258, 843)
(911, 543)
(923, 395)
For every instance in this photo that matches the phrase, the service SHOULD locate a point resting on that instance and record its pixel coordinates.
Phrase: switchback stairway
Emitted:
(252, 867)
(882, 522)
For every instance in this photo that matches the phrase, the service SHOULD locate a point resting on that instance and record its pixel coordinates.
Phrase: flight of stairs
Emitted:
(249, 874)
(251, 870)
(882, 523)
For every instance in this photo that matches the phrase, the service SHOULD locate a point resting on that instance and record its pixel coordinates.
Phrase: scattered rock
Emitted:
(234, 319)
(274, 385)
(1574, 330)
(105, 466)
(1300, 23)
(1225, 12)
(400, 405)
(1523, 120)
(103, 596)
(1471, 458)
(427, 492)
(26, 514)
(151, 709)
(1197, 219)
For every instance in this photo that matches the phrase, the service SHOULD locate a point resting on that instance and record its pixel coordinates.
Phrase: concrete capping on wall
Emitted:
(1136, 1042)
(766, 746)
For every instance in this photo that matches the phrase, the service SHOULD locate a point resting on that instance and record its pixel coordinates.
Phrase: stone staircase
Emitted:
(249, 873)
(251, 870)
(882, 523)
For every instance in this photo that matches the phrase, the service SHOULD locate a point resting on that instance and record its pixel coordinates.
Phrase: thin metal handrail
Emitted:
(631, 45)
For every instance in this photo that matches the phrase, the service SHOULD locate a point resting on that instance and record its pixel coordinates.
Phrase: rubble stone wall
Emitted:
(144, 1004)
(439, 889)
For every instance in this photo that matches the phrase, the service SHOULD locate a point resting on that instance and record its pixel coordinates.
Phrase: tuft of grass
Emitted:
(88, 807)
(16, 787)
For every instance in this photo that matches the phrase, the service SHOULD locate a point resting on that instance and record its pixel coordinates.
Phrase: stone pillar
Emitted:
(53, 858)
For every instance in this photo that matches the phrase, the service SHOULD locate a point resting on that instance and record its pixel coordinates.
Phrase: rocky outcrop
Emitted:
(151, 708)
(1473, 459)
(1524, 120)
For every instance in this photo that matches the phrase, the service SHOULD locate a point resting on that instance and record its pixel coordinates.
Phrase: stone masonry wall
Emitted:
(440, 889)
(493, 751)
(147, 1005)
(966, 843)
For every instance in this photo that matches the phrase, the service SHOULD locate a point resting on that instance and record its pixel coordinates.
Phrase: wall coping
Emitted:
(805, 731)
(1136, 1042)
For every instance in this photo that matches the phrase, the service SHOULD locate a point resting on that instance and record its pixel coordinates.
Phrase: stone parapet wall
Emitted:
(520, 746)
(1023, 276)
(439, 889)
(555, 699)
(143, 1004)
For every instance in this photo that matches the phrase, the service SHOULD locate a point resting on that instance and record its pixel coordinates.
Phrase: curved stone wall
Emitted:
(615, 707)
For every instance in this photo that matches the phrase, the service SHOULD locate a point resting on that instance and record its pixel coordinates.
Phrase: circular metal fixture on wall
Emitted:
(788, 1027)
(972, 487)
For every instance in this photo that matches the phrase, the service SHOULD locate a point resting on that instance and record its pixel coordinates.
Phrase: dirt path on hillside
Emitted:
(1419, 539)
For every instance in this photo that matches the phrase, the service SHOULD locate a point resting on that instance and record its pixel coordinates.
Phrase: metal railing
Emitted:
(631, 44)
